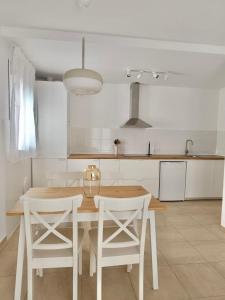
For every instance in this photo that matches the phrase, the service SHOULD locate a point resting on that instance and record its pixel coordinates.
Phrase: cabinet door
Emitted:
(218, 178)
(78, 165)
(110, 171)
(139, 169)
(204, 179)
(51, 100)
(42, 167)
(140, 172)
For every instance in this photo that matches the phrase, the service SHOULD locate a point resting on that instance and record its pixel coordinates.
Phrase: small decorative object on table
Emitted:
(116, 146)
(91, 181)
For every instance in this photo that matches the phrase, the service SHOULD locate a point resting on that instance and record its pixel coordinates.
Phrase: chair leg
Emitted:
(80, 261)
(141, 280)
(92, 263)
(75, 283)
(99, 283)
(39, 272)
(129, 268)
(29, 283)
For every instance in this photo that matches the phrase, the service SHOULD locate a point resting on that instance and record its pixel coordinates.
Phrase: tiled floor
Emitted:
(191, 256)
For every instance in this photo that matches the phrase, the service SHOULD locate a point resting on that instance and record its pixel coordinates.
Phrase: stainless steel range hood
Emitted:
(134, 121)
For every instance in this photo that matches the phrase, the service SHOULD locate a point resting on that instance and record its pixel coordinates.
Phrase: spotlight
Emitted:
(139, 75)
(155, 75)
(128, 73)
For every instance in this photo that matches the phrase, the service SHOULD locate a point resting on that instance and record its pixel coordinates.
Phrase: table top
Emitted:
(87, 205)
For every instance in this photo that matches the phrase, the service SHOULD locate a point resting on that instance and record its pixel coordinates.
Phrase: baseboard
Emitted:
(201, 198)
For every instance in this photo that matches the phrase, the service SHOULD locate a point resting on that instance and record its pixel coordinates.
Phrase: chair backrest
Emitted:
(63, 179)
(36, 212)
(26, 184)
(123, 212)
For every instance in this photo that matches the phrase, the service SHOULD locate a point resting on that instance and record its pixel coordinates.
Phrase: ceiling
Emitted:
(182, 36)
(198, 21)
(52, 58)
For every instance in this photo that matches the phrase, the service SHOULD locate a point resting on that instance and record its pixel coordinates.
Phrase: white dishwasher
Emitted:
(172, 180)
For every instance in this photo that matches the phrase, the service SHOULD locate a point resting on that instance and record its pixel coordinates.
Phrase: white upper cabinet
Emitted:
(51, 99)
(204, 179)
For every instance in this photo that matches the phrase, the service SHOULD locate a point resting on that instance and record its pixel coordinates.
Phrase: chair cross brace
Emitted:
(52, 229)
(122, 227)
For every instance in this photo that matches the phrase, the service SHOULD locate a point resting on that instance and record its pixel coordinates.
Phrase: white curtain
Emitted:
(22, 121)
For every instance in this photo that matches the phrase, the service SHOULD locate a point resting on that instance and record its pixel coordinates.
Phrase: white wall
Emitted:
(221, 124)
(4, 50)
(221, 141)
(175, 114)
(11, 174)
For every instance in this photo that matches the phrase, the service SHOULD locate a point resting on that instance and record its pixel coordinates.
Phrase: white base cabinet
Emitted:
(123, 172)
(204, 179)
(43, 167)
(140, 172)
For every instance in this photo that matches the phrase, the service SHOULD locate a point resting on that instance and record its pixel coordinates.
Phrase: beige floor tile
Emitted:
(200, 280)
(196, 233)
(190, 210)
(169, 286)
(217, 230)
(7, 285)
(212, 251)
(211, 298)
(180, 220)
(168, 233)
(161, 259)
(116, 284)
(179, 253)
(8, 262)
(207, 219)
(160, 220)
(12, 243)
(220, 267)
(55, 286)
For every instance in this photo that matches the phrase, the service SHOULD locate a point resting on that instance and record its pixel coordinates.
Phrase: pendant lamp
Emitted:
(82, 81)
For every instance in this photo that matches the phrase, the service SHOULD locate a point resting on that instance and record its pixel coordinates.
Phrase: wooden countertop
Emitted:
(87, 205)
(142, 156)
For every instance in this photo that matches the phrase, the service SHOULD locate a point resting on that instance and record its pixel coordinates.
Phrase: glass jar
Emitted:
(91, 181)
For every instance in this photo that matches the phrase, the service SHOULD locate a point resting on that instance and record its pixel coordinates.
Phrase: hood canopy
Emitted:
(134, 120)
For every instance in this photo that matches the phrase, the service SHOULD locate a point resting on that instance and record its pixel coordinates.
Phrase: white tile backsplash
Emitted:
(135, 141)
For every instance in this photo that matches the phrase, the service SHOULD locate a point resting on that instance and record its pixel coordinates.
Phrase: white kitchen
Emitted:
(98, 107)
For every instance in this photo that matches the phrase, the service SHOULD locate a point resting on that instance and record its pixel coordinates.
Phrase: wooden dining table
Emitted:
(86, 213)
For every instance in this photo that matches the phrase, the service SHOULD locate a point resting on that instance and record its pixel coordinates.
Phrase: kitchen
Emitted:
(171, 89)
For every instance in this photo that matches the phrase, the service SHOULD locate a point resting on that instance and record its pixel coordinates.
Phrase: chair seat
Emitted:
(52, 239)
(122, 237)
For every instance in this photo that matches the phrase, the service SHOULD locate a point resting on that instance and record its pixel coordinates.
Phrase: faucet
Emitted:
(186, 146)
(149, 148)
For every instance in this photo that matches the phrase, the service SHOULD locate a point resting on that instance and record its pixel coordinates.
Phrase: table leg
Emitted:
(20, 260)
(155, 280)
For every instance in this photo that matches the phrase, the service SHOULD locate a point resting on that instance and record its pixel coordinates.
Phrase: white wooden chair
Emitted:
(63, 179)
(52, 247)
(26, 184)
(120, 245)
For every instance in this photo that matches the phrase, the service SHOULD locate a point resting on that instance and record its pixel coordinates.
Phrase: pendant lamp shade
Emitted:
(82, 81)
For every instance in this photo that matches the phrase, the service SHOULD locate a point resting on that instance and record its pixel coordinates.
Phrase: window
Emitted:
(22, 121)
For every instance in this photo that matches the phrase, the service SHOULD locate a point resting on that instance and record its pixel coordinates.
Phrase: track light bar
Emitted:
(138, 73)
